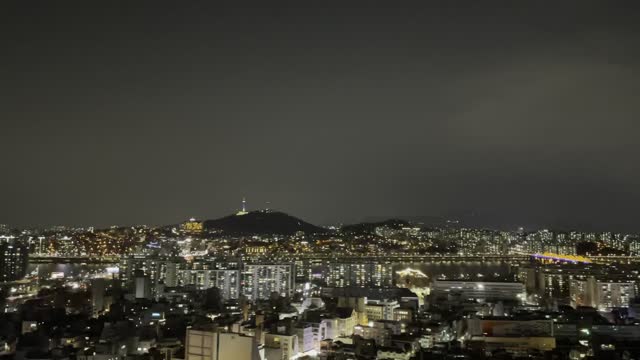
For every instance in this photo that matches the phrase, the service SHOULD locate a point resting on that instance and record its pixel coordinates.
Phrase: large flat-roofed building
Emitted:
(504, 326)
(479, 290)
(516, 345)
(193, 226)
(381, 309)
(214, 345)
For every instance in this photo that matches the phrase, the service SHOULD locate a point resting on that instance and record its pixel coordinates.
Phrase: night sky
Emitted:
(524, 115)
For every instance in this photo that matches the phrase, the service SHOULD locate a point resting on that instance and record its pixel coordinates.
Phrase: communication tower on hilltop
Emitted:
(244, 208)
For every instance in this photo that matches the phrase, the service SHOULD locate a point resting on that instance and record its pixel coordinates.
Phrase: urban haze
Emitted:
(319, 180)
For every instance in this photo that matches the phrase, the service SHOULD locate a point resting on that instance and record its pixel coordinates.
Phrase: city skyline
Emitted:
(320, 181)
(522, 114)
(465, 221)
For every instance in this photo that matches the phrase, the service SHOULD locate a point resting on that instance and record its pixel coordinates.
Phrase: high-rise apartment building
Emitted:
(98, 287)
(14, 258)
(361, 274)
(260, 280)
(228, 281)
(157, 269)
(602, 294)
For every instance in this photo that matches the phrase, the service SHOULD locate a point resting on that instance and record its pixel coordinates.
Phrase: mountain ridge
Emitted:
(262, 222)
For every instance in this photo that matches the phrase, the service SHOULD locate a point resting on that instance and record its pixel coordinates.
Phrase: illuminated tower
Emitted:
(244, 208)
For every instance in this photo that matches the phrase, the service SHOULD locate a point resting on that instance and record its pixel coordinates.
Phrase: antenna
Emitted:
(244, 207)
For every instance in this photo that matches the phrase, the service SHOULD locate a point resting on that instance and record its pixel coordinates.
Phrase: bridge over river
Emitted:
(46, 259)
(400, 258)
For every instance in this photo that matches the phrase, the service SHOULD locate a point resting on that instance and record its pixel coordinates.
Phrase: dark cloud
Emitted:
(130, 114)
